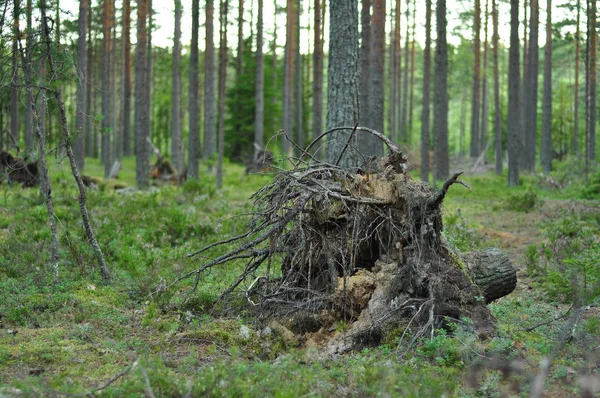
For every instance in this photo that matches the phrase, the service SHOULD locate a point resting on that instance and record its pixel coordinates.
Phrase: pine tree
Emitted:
(425, 115)
(176, 150)
(513, 117)
(546, 148)
(441, 161)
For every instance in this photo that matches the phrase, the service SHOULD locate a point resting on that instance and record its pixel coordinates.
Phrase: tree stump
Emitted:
(492, 271)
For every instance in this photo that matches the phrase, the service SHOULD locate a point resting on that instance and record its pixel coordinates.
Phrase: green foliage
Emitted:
(523, 201)
(458, 233)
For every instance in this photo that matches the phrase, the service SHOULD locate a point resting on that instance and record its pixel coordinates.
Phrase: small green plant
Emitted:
(532, 259)
(522, 201)
(458, 233)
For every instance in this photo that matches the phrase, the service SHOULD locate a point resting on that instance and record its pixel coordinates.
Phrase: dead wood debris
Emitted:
(363, 246)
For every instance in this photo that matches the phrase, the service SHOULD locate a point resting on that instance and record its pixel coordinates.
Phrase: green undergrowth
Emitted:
(74, 336)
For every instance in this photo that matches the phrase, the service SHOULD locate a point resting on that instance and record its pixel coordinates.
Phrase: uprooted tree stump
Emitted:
(364, 246)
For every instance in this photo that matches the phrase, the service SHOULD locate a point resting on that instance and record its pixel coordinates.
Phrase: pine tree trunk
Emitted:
(475, 98)
(576, 83)
(400, 134)
(513, 116)
(531, 89)
(126, 79)
(260, 82)
(365, 60)
(484, 125)
(106, 86)
(194, 105)
(546, 149)
(89, 128)
(222, 82)
(404, 108)
(117, 143)
(150, 73)
(391, 116)
(142, 94)
(425, 115)
(441, 161)
(342, 78)
(289, 74)
(81, 85)
(497, 110)
(317, 126)
(592, 81)
(176, 154)
(210, 107)
(14, 89)
(413, 47)
(28, 94)
(369, 145)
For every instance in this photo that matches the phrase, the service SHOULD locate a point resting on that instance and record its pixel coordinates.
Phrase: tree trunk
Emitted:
(484, 124)
(142, 94)
(476, 99)
(299, 92)
(150, 73)
(222, 83)
(210, 103)
(592, 37)
(240, 37)
(531, 90)
(513, 117)
(441, 161)
(126, 79)
(260, 83)
(28, 94)
(497, 110)
(425, 115)
(404, 78)
(342, 79)
(81, 85)
(289, 73)
(106, 86)
(176, 153)
(317, 89)
(14, 89)
(463, 123)
(576, 83)
(117, 144)
(194, 105)
(400, 133)
(89, 128)
(413, 47)
(364, 112)
(546, 150)
(369, 145)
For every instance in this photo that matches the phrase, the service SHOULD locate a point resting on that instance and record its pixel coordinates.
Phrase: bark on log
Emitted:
(492, 271)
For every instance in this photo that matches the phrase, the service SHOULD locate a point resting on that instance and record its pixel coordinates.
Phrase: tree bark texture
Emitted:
(28, 94)
(576, 83)
(364, 112)
(492, 271)
(289, 74)
(14, 89)
(591, 82)
(404, 78)
(342, 79)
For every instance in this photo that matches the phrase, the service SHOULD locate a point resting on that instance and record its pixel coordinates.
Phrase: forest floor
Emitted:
(84, 336)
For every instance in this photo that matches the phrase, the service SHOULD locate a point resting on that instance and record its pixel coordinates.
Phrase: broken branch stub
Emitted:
(362, 245)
